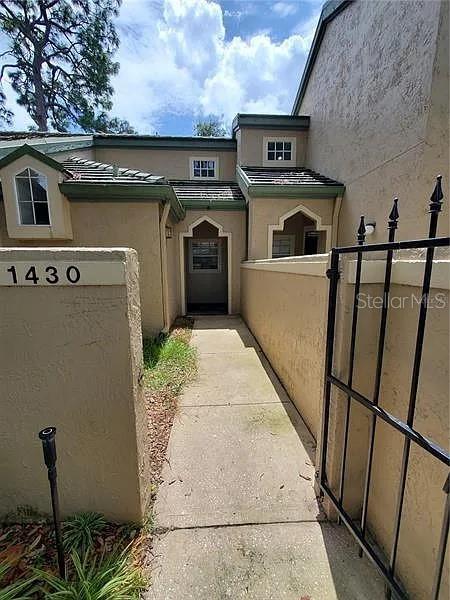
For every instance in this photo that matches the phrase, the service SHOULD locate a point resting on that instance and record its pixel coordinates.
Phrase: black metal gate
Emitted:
(358, 528)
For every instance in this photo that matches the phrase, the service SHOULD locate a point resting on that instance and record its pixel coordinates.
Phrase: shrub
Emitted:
(110, 577)
(80, 531)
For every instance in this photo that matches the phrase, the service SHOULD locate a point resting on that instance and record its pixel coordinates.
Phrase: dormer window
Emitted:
(32, 198)
(279, 151)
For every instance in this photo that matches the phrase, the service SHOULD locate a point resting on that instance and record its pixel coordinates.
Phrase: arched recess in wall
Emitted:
(190, 233)
(308, 213)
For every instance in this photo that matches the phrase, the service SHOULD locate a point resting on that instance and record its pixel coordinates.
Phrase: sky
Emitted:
(183, 60)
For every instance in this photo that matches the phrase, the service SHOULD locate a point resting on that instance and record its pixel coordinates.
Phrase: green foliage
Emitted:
(169, 362)
(210, 127)
(80, 531)
(21, 589)
(110, 577)
(60, 60)
(24, 514)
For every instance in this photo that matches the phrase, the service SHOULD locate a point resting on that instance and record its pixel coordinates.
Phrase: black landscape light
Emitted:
(47, 436)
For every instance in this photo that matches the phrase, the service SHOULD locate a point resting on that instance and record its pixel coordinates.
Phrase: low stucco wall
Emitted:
(71, 357)
(284, 303)
(286, 313)
(112, 224)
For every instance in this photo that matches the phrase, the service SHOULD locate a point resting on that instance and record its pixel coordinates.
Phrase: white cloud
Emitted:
(284, 9)
(174, 60)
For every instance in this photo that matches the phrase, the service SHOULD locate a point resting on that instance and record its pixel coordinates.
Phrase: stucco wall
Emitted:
(71, 357)
(379, 111)
(233, 222)
(106, 224)
(267, 211)
(286, 313)
(250, 145)
(173, 163)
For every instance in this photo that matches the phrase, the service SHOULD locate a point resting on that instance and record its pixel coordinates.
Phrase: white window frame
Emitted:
(191, 256)
(287, 236)
(16, 193)
(282, 163)
(198, 178)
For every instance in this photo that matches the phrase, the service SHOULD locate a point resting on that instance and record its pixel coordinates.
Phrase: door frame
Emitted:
(189, 234)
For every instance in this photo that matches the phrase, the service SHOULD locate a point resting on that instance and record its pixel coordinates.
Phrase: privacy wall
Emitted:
(284, 303)
(71, 357)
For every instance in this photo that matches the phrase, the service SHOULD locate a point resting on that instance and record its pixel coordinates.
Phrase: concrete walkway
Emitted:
(237, 511)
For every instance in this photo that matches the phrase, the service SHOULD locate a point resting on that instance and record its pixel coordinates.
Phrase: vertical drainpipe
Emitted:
(335, 224)
(164, 282)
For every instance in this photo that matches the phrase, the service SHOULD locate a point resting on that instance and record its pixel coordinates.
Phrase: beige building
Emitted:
(244, 224)
(369, 123)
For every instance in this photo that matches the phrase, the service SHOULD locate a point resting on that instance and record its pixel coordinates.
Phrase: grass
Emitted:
(169, 360)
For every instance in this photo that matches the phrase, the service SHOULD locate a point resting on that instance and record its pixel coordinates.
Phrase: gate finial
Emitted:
(436, 196)
(393, 216)
(361, 231)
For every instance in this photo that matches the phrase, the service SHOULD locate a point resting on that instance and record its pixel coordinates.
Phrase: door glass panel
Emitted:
(205, 255)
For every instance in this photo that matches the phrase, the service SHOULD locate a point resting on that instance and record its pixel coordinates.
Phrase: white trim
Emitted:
(16, 194)
(279, 163)
(219, 257)
(216, 168)
(189, 233)
(404, 272)
(308, 213)
(315, 265)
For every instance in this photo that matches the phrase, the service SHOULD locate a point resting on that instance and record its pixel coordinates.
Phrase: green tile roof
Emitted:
(90, 171)
(217, 195)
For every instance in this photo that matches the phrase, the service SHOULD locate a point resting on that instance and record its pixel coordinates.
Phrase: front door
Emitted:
(207, 275)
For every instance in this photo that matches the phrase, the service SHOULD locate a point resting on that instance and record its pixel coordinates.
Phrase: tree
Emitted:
(60, 60)
(210, 127)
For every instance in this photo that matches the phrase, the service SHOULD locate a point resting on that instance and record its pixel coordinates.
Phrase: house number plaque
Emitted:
(61, 273)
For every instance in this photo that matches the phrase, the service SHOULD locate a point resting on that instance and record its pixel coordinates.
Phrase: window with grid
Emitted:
(32, 198)
(205, 256)
(204, 169)
(279, 150)
(283, 245)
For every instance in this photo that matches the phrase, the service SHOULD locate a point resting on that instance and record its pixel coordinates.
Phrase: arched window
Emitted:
(32, 198)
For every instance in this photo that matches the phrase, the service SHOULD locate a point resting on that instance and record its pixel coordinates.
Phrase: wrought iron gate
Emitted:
(387, 567)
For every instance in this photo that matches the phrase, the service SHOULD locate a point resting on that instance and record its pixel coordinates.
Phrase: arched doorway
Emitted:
(205, 252)
(298, 232)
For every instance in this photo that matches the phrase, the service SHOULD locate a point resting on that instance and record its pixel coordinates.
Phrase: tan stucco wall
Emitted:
(286, 313)
(233, 222)
(267, 211)
(71, 357)
(250, 145)
(379, 111)
(173, 272)
(172, 163)
(129, 224)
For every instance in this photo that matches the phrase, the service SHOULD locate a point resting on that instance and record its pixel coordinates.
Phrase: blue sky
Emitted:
(184, 59)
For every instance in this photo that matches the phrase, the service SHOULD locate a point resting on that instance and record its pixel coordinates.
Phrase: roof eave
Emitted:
(77, 191)
(329, 11)
(26, 150)
(295, 191)
(214, 205)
